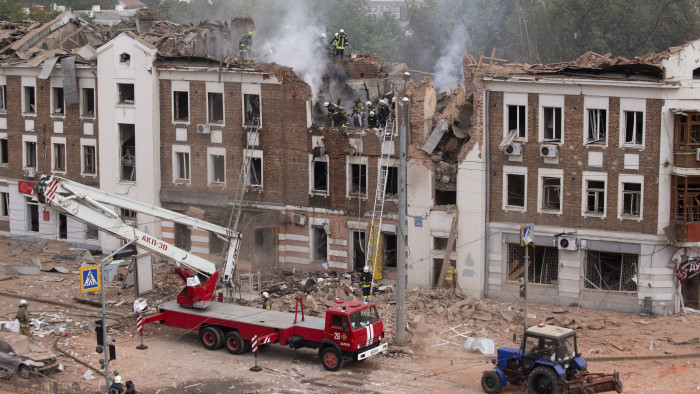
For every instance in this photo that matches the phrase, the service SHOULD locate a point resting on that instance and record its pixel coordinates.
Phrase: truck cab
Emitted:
(353, 331)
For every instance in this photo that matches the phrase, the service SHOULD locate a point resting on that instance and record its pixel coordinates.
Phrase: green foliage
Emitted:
(10, 11)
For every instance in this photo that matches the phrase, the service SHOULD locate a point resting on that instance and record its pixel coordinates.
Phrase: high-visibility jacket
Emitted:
(449, 274)
(341, 41)
(266, 303)
(245, 44)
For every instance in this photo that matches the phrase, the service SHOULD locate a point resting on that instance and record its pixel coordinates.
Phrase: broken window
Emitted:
(3, 99)
(358, 179)
(551, 193)
(215, 107)
(124, 58)
(320, 175)
(611, 271)
(595, 196)
(30, 154)
(632, 199)
(552, 123)
(88, 105)
(445, 197)
(5, 205)
(440, 243)
(389, 245)
(217, 169)
(392, 181)
(437, 268)
(58, 104)
(3, 151)
(182, 166)
(634, 127)
(515, 186)
(29, 100)
(251, 108)
(91, 232)
(255, 172)
(181, 108)
(59, 157)
(320, 243)
(128, 215)
(183, 237)
(89, 159)
(597, 126)
(685, 199)
(127, 138)
(543, 267)
(126, 93)
(62, 226)
(516, 120)
(32, 215)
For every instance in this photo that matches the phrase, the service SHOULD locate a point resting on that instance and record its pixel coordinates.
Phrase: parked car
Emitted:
(20, 354)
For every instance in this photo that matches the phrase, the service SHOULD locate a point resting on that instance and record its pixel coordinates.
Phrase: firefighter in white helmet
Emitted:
(366, 283)
(23, 317)
(266, 301)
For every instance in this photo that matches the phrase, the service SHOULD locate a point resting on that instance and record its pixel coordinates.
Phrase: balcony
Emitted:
(686, 141)
(685, 210)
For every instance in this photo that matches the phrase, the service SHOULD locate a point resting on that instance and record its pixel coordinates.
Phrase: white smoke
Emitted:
(298, 45)
(448, 70)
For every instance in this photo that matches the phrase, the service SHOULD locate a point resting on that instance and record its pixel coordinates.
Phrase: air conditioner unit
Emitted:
(514, 149)
(299, 219)
(697, 154)
(567, 243)
(203, 129)
(548, 150)
(30, 172)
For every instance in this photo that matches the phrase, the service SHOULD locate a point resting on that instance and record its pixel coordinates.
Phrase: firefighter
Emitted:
(366, 283)
(357, 113)
(130, 389)
(266, 301)
(338, 115)
(246, 45)
(451, 278)
(23, 317)
(340, 44)
(332, 44)
(383, 112)
(116, 387)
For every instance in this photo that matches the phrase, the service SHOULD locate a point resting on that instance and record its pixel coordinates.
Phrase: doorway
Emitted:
(62, 226)
(358, 249)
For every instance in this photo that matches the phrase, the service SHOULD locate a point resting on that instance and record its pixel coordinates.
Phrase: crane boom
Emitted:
(94, 206)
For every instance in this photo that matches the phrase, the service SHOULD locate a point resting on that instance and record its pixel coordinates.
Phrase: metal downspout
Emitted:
(485, 134)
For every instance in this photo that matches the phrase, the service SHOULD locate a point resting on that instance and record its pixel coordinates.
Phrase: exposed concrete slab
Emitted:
(21, 270)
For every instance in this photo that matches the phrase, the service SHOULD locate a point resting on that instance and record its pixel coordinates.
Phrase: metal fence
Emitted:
(543, 267)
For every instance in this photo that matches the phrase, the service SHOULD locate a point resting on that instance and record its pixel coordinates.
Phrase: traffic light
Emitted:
(99, 332)
(112, 352)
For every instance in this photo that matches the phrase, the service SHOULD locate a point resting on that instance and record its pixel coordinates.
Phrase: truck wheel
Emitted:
(234, 343)
(211, 338)
(543, 380)
(491, 382)
(331, 359)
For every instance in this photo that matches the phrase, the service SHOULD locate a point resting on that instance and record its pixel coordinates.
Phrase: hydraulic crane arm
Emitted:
(93, 206)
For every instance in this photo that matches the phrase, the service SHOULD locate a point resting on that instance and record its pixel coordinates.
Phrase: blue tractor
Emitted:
(547, 362)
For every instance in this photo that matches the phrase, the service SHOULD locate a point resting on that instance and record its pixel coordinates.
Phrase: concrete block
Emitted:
(21, 270)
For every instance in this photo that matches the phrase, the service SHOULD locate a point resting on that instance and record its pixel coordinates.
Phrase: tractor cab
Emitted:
(550, 345)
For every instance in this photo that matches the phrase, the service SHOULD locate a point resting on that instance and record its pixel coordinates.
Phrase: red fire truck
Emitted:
(350, 330)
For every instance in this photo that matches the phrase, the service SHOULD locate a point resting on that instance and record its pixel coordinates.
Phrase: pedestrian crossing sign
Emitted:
(90, 279)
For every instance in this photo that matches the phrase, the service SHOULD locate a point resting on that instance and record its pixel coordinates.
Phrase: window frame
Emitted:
(548, 101)
(254, 155)
(58, 144)
(222, 122)
(318, 224)
(628, 105)
(629, 179)
(4, 204)
(594, 177)
(211, 153)
(26, 139)
(26, 101)
(54, 101)
(184, 150)
(253, 89)
(176, 106)
(84, 101)
(312, 177)
(3, 97)
(30, 205)
(513, 170)
(550, 173)
(595, 104)
(120, 93)
(356, 160)
(520, 100)
(588, 282)
(86, 142)
(4, 150)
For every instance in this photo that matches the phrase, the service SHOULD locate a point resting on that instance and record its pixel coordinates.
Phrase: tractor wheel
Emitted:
(331, 359)
(491, 382)
(588, 390)
(234, 343)
(211, 337)
(618, 386)
(543, 380)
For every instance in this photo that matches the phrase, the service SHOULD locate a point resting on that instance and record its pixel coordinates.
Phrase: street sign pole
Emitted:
(526, 239)
(105, 345)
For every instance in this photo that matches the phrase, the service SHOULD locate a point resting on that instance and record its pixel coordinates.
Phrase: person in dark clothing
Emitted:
(357, 113)
(246, 45)
(338, 115)
(383, 112)
(130, 389)
(340, 44)
(366, 283)
(332, 44)
(116, 387)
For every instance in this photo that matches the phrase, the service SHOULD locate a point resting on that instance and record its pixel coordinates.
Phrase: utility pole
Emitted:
(105, 345)
(527, 260)
(404, 105)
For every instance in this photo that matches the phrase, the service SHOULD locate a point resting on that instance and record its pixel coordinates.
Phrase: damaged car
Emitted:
(25, 357)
